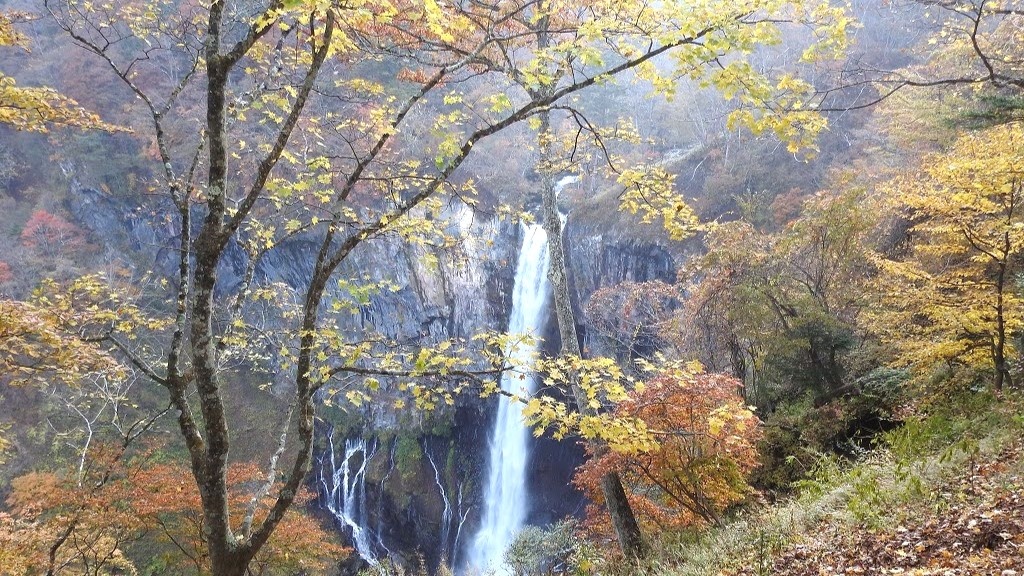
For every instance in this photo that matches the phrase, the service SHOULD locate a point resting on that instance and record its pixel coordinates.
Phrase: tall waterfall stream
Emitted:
(506, 502)
(505, 498)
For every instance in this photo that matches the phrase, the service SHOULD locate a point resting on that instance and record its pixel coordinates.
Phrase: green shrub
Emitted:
(408, 456)
(547, 551)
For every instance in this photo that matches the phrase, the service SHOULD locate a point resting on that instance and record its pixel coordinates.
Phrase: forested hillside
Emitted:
(523, 287)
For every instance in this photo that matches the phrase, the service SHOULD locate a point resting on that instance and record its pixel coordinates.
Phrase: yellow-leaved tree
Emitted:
(952, 301)
(272, 126)
(35, 108)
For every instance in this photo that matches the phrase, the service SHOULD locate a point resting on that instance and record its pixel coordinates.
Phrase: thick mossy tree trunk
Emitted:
(623, 520)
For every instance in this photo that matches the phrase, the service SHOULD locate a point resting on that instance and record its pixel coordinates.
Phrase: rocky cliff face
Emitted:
(464, 293)
(423, 476)
(603, 257)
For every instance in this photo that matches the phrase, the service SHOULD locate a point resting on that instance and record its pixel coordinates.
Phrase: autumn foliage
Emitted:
(39, 344)
(633, 315)
(35, 109)
(51, 234)
(92, 524)
(952, 301)
(55, 336)
(706, 448)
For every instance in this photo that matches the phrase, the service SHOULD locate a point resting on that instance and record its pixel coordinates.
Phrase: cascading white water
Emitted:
(446, 514)
(343, 492)
(462, 514)
(505, 500)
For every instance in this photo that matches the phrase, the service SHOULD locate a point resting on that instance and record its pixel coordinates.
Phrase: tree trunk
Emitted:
(624, 521)
(626, 528)
(210, 470)
(999, 346)
(229, 565)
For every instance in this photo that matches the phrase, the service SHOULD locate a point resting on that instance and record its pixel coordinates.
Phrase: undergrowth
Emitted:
(899, 479)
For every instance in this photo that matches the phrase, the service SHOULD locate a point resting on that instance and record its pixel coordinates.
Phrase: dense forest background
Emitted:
(792, 250)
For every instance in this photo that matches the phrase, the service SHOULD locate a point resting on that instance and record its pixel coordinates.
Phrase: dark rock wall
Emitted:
(601, 258)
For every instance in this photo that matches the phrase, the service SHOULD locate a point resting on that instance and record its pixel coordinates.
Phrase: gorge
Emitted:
(401, 489)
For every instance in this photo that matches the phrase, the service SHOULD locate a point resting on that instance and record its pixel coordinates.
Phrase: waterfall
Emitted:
(343, 492)
(505, 498)
(446, 514)
(380, 497)
(462, 515)
(505, 495)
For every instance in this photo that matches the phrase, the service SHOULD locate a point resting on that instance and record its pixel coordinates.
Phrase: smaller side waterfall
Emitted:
(446, 514)
(342, 487)
(463, 513)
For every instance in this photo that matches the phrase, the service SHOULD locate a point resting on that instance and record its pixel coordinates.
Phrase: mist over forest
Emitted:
(525, 288)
